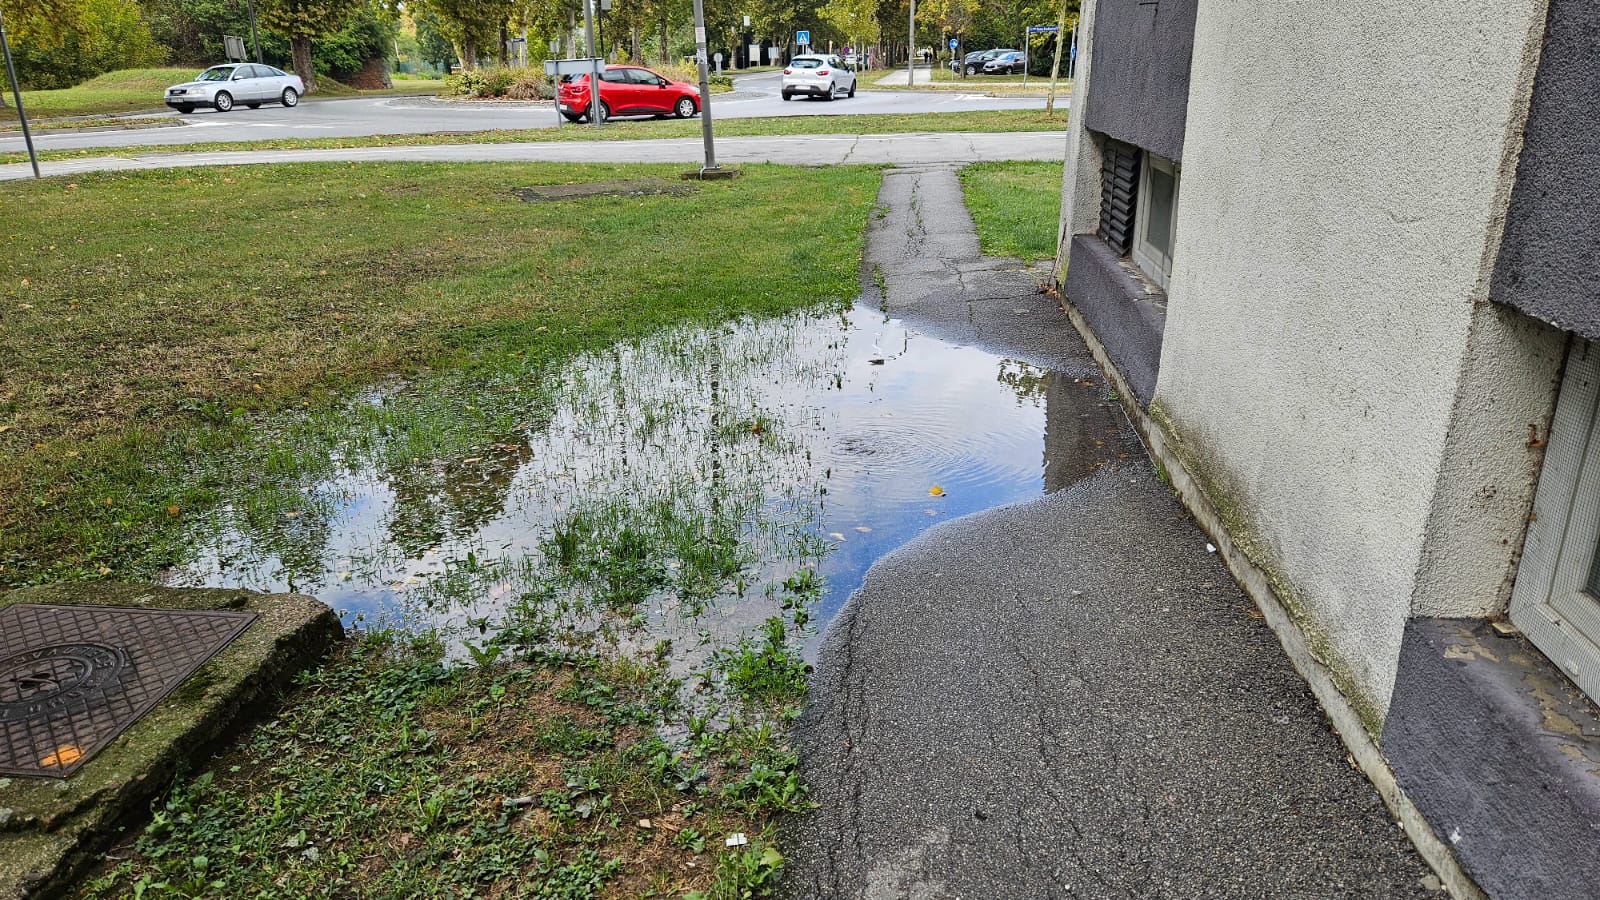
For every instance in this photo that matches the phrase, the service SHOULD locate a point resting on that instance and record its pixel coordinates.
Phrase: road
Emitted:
(754, 96)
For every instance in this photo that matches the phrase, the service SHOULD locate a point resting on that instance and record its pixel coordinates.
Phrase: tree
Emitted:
(302, 20)
(432, 46)
(857, 20)
(469, 24)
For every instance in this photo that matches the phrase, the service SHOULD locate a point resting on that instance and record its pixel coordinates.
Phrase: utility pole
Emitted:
(16, 92)
(594, 62)
(911, 46)
(705, 86)
(255, 36)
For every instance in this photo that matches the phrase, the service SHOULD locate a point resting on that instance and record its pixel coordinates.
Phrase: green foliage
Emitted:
(307, 18)
(764, 671)
(1016, 206)
(103, 35)
(367, 35)
(512, 84)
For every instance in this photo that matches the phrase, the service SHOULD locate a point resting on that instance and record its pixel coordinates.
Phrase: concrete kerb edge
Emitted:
(1347, 723)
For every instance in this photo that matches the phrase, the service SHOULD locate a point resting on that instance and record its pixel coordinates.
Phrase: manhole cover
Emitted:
(73, 677)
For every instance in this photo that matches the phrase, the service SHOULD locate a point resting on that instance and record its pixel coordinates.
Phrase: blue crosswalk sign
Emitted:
(803, 38)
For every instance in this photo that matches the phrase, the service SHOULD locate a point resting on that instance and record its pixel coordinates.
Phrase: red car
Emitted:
(628, 91)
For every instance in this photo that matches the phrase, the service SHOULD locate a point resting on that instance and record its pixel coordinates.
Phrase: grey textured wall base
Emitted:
(1125, 314)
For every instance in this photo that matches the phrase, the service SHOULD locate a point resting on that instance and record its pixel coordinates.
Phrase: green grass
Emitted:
(133, 90)
(1016, 206)
(889, 123)
(131, 349)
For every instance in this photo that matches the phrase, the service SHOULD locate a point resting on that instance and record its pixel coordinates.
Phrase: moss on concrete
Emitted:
(51, 826)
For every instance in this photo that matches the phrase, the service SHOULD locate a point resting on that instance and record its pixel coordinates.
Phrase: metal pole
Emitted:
(594, 65)
(1055, 67)
(1027, 54)
(705, 83)
(255, 36)
(911, 46)
(16, 92)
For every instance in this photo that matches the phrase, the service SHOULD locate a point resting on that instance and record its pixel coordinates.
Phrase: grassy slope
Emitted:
(880, 123)
(1016, 205)
(131, 90)
(126, 347)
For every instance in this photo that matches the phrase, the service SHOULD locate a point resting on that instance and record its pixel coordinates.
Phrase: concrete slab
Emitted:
(50, 828)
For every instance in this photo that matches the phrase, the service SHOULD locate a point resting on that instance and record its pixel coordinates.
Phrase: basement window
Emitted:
(1156, 220)
(1556, 601)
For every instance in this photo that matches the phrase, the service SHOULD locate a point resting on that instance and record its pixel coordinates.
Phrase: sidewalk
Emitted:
(1069, 697)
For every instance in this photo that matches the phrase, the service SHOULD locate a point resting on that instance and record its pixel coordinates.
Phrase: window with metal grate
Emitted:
(1119, 194)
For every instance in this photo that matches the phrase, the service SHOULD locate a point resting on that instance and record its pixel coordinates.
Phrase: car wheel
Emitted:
(224, 101)
(291, 97)
(605, 112)
(831, 88)
(972, 70)
(685, 107)
(852, 90)
(184, 109)
(572, 118)
(787, 95)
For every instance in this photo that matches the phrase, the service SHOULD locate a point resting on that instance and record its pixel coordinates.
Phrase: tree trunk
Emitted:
(504, 38)
(664, 59)
(469, 53)
(300, 49)
(634, 52)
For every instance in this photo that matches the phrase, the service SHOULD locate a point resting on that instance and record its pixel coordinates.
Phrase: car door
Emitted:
(245, 86)
(616, 92)
(648, 92)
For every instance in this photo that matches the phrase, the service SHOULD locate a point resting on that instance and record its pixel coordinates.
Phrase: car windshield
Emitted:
(216, 73)
(806, 63)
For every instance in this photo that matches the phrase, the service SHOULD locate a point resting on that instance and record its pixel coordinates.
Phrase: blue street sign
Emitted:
(1043, 29)
(1074, 51)
(953, 43)
(803, 38)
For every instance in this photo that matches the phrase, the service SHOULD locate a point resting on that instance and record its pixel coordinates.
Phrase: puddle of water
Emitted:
(716, 462)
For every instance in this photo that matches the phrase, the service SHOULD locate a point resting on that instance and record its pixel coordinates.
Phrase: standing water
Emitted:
(696, 480)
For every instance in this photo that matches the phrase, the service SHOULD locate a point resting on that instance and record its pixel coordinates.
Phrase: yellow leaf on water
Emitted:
(64, 756)
(936, 491)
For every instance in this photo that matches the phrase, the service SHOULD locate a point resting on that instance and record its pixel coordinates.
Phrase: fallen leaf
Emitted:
(173, 509)
(936, 491)
(65, 755)
(861, 528)
(836, 535)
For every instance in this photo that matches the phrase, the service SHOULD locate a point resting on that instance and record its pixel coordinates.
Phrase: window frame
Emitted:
(1156, 264)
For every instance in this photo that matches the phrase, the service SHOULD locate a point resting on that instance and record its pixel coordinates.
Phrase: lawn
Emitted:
(1016, 206)
(133, 90)
(149, 374)
(878, 123)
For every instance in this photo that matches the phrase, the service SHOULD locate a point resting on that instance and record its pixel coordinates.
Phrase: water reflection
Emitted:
(746, 452)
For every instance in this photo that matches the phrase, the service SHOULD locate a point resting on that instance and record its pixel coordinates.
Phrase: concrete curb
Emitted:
(51, 831)
(1364, 751)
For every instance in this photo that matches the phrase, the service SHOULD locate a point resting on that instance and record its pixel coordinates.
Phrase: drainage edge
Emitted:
(1253, 581)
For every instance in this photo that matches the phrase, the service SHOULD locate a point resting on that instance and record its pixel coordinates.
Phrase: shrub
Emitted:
(516, 84)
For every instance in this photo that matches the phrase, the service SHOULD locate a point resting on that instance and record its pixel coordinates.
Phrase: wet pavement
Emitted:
(1066, 697)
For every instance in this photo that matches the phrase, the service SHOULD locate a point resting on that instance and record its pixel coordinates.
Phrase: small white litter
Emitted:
(1211, 548)
(737, 839)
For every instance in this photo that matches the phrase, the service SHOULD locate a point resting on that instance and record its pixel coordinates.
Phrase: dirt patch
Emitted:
(642, 187)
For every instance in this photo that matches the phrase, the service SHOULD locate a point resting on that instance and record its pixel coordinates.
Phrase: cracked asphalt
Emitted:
(1068, 697)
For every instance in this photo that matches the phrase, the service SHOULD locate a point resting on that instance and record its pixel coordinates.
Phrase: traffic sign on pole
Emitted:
(803, 38)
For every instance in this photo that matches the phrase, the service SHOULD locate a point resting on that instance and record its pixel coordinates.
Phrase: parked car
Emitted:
(974, 61)
(223, 87)
(628, 91)
(818, 75)
(1011, 62)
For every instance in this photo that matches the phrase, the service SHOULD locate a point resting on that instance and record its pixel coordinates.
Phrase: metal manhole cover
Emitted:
(72, 678)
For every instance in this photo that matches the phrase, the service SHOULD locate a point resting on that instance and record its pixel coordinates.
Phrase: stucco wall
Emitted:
(1549, 265)
(1345, 173)
(1141, 69)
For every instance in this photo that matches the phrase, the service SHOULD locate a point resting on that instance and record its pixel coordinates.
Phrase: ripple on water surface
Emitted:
(743, 454)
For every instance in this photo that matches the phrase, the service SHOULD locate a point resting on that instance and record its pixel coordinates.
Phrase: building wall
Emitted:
(1141, 67)
(1549, 265)
(1346, 171)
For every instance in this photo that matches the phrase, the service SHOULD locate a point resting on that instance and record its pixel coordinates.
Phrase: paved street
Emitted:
(816, 149)
(755, 96)
(1067, 697)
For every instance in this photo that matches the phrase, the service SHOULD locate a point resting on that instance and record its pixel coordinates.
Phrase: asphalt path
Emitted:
(755, 96)
(802, 150)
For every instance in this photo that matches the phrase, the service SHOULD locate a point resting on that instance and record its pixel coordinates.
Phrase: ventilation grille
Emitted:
(1119, 192)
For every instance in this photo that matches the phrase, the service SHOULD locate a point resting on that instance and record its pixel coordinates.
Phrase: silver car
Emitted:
(818, 75)
(223, 87)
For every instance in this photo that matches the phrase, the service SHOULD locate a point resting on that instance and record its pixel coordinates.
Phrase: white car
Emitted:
(223, 87)
(818, 75)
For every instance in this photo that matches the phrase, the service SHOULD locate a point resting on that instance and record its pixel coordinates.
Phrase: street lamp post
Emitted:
(16, 92)
(911, 46)
(705, 86)
(255, 36)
